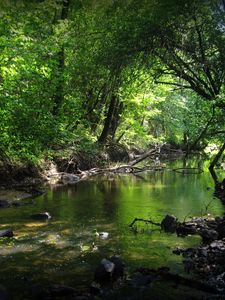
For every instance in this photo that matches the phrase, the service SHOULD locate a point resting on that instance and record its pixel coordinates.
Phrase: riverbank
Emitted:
(70, 161)
(60, 255)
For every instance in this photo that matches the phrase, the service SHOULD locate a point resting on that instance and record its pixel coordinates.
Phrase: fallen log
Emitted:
(149, 153)
(143, 156)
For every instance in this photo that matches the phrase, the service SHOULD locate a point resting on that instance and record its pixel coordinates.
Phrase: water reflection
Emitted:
(61, 250)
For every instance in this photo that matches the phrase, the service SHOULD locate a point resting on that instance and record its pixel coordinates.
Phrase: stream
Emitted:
(65, 250)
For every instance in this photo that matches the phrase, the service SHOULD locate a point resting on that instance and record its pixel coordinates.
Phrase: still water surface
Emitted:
(65, 250)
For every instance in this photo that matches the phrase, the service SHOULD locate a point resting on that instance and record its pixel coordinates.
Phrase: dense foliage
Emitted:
(86, 73)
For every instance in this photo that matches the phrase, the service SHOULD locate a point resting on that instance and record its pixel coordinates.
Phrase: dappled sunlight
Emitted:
(11, 249)
(70, 242)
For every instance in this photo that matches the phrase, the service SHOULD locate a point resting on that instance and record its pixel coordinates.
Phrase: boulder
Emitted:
(109, 270)
(169, 223)
(6, 233)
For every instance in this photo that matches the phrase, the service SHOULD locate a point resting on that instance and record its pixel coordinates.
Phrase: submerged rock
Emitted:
(6, 233)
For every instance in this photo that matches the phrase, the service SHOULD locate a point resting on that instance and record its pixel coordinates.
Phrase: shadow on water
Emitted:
(64, 250)
(219, 191)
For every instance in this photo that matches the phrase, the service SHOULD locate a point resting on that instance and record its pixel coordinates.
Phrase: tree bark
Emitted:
(217, 157)
(106, 129)
(60, 57)
(143, 156)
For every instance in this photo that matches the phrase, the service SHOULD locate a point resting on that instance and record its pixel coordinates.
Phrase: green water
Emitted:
(61, 250)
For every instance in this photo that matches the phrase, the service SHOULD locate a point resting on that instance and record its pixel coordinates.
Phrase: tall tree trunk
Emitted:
(116, 118)
(60, 58)
(107, 124)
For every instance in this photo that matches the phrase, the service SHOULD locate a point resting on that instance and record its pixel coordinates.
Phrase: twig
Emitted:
(143, 220)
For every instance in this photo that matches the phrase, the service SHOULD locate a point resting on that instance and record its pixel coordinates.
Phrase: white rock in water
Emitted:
(108, 265)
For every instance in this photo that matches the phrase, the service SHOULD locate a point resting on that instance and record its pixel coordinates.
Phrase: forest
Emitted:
(112, 139)
(87, 74)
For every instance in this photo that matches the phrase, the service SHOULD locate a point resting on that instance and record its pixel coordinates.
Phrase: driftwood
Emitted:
(143, 156)
(149, 153)
(69, 178)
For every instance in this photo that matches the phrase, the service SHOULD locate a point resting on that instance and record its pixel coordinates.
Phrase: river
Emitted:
(65, 250)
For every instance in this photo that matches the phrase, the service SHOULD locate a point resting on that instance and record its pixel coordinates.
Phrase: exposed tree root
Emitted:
(145, 221)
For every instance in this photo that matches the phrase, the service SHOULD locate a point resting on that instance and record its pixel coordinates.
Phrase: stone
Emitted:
(169, 223)
(119, 267)
(6, 233)
(209, 235)
(109, 270)
(185, 229)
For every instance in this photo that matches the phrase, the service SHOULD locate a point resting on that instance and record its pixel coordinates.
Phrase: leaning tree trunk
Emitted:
(217, 157)
(202, 133)
(116, 118)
